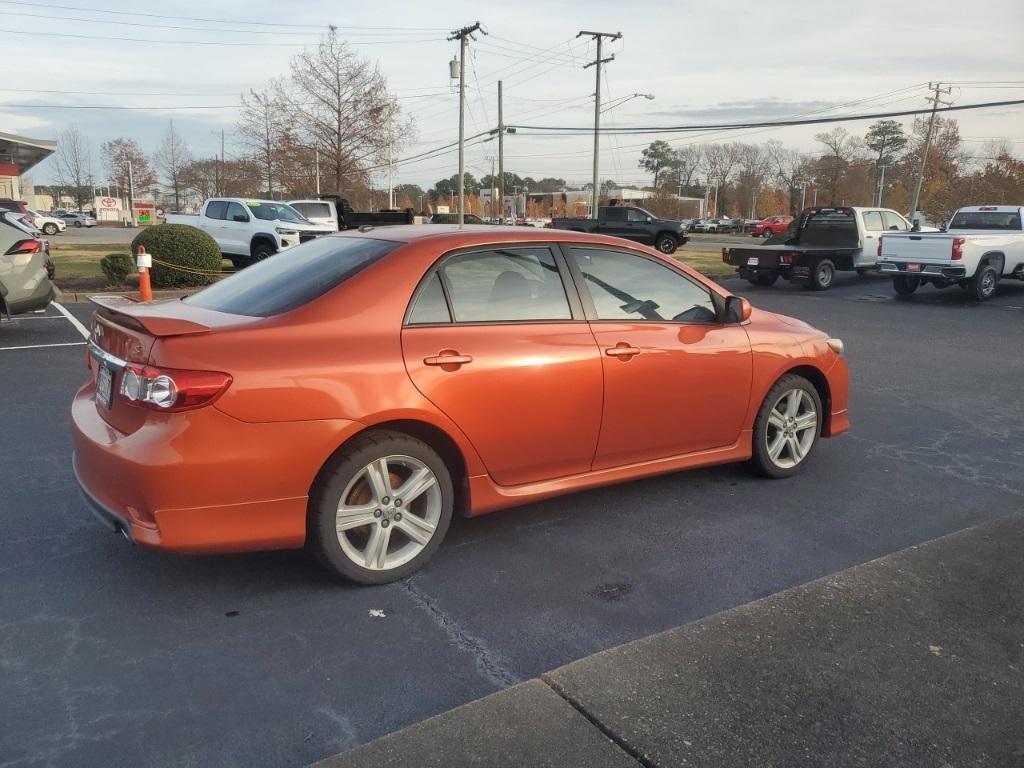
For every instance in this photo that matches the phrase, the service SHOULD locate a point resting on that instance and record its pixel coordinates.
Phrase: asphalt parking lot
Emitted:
(111, 655)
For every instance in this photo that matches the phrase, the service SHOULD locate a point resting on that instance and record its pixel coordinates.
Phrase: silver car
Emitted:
(25, 267)
(78, 220)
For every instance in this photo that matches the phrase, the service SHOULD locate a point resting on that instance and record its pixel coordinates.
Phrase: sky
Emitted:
(703, 62)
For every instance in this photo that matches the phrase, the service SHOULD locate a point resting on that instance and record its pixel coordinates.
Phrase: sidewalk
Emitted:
(915, 659)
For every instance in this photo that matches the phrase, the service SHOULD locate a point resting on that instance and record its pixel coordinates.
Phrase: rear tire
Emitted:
(666, 244)
(385, 537)
(905, 286)
(822, 275)
(787, 427)
(982, 286)
(764, 280)
(78, 225)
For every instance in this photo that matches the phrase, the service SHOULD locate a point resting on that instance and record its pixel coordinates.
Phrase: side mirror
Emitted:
(650, 220)
(241, 217)
(737, 309)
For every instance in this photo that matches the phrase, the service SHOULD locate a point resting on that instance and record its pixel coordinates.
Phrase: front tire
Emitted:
(905, 286)
(50, 229)
(666, 244)
(822, 275)
(262, 250)
(787, 427)
(982, 286)
(380, 509)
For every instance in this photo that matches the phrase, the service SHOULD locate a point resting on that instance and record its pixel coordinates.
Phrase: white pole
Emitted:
(462, 127)
(317, 163)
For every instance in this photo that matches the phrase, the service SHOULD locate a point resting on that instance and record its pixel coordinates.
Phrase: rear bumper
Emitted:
(201, 481)
(927, 270)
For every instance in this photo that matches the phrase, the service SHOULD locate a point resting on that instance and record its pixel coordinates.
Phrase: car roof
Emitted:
(450, 236)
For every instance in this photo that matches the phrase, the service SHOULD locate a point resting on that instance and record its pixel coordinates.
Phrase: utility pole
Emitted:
(492, 178)
(881, 184)
(131, 192)
(462, 35)
(220, 168)
(935, 100)
(596, 63)
(316, 164)
(501, 159)
(803, 195)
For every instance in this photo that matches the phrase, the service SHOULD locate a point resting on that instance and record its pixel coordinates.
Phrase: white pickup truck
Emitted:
(982, 245)
(251, 230)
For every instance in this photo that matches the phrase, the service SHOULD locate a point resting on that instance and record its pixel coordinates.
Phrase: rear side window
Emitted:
(216, 209)
(506, 285)
(429, 305)
(292, 278)
(615, 214)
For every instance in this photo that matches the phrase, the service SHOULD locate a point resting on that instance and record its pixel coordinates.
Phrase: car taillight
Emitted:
(165, 389)
(878, 251)
(25, 246)
(786, 258)
(958, 248)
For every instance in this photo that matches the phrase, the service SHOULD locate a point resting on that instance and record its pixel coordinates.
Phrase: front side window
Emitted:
(630, 288)
(894, 222)
(235, 209)
(216, 209)
(637, 214)
(873, 221)
(506, 284)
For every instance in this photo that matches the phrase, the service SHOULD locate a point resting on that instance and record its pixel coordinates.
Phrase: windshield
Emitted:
(275, 212)
(999, 220)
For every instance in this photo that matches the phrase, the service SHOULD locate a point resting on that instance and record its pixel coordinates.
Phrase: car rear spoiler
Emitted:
(155, 319)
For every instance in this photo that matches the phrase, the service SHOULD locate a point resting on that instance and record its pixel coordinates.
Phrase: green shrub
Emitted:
(182, 246)
(117, 267)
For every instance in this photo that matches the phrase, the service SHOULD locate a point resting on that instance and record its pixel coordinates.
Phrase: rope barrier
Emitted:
(179, 268)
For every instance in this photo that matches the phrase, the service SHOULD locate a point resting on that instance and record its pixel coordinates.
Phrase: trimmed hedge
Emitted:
(117, 266)
(182, 246)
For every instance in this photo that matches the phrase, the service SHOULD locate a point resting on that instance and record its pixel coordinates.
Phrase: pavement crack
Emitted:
(609, 734)
(489, 663)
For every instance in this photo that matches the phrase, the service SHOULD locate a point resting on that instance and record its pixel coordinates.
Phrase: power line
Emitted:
(572, 130)
(47, 5)
(206, 42)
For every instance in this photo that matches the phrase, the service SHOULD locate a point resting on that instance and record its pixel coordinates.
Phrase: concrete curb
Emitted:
(916, 658)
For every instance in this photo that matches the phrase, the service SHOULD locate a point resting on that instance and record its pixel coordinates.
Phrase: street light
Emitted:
(623, 99)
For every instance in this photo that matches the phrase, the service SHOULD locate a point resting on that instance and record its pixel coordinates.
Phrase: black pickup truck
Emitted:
(631, 223)
(820, 242)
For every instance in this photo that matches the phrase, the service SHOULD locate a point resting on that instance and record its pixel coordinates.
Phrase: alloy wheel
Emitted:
(792, 427)
(388, 512)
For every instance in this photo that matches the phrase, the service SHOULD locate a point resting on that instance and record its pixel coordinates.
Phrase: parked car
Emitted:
(248, 231)
(17, 206)
(25, 267)
(824, 240)
(367, 386)
(49, 225)
(773, 225)
(335, 212)
(631, 223)
(982, 245)
(703, 225)
(78, 220)
(453, 218)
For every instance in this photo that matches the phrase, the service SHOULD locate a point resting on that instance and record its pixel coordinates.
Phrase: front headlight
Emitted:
(283, 231)
(836, 345)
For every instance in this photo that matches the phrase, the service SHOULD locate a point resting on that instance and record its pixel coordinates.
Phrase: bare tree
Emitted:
(128, 167)
(344, 110)
(171, 159)
(789, 168)
(265, 123)
(74, 164)
(841, 150)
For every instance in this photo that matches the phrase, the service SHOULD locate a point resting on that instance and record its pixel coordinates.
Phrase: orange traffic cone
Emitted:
(144, 261)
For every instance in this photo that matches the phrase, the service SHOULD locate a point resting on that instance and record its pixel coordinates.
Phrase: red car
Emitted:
(771, 226)
(353, 392)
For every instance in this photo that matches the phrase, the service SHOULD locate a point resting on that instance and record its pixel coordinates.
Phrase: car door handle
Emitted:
(622, 350)
(448, 358)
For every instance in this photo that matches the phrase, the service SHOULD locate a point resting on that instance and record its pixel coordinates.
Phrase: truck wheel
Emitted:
(666, 244)
(905, 286)
(262, 250)
(764, 280)
(982, 286)
(822, 275)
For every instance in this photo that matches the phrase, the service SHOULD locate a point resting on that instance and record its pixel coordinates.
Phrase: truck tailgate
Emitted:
(923, 248)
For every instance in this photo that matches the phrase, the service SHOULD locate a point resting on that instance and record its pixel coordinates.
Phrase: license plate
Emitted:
(104, 386)
(913, 267)
(753, 261)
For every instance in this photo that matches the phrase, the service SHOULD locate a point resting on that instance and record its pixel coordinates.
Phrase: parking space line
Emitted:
(40, 317)
(43, 346)
(74, 320)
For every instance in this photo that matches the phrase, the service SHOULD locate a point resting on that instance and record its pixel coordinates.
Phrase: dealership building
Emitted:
(18, 154)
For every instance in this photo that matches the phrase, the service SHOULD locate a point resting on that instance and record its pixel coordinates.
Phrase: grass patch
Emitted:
(76, 261)
(706, 262)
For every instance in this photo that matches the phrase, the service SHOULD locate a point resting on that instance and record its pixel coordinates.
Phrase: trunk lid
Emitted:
(125, 331)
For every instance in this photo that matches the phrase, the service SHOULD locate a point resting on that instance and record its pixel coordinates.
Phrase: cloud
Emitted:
(747, 110)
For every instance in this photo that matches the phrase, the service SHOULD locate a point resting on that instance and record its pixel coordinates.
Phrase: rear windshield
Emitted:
(1005, 220)
(292, 278)
(310, 210)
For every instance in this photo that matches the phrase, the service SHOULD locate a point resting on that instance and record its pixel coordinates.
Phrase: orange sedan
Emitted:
(353, 392)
